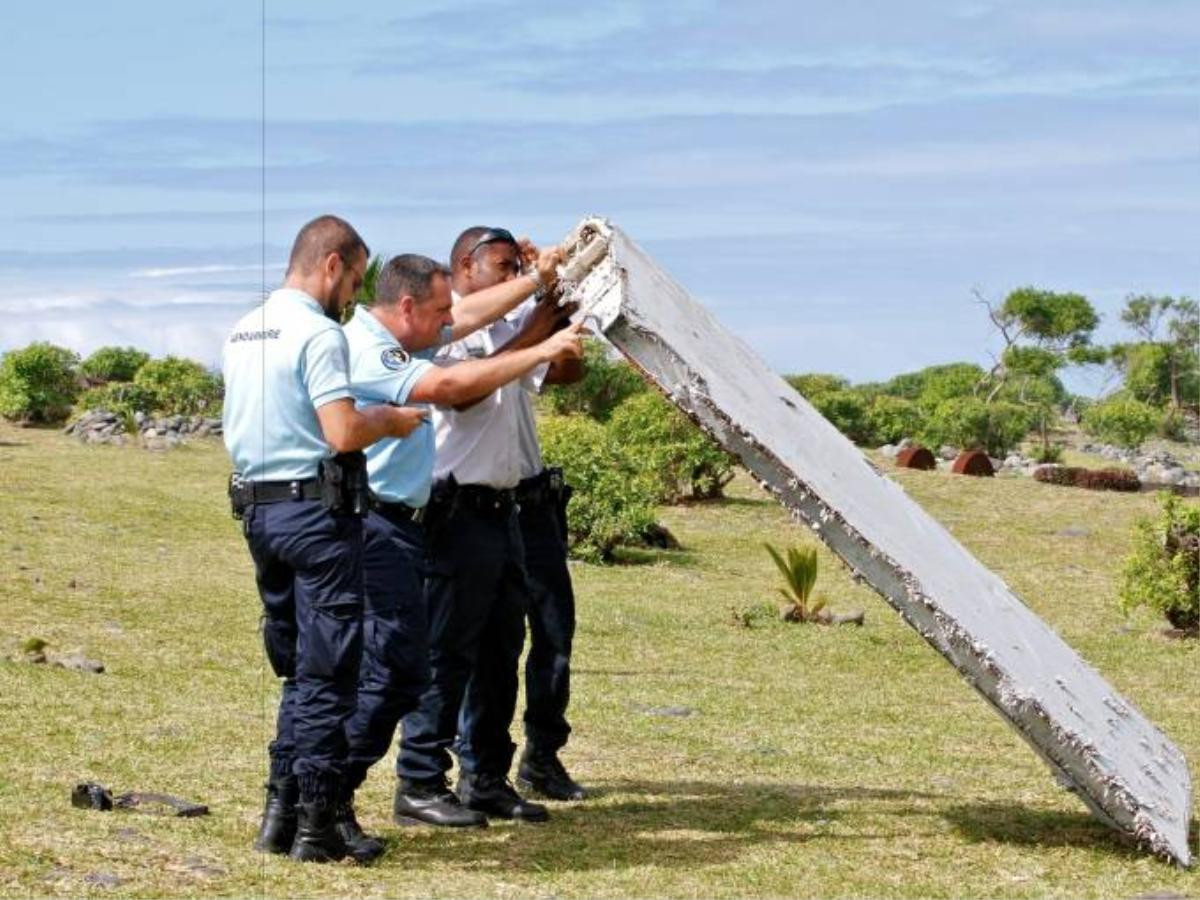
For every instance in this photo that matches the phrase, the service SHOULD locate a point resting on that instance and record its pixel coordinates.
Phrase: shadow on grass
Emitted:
(649, 556)
(680, 824)
(1011, 823)
(14, 443)
(750, 502)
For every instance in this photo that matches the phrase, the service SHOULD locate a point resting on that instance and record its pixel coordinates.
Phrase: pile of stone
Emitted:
(1153, 467)
(1017, 463)
(100, 426)
(162, 433)
(1160, 467)
(1108, 451)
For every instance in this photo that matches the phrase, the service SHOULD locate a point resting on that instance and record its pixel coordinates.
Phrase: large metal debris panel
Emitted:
(1124, 768)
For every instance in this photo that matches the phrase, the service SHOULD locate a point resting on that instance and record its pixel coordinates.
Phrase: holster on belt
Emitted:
(560, 493)
(238, 500)
(343, 481)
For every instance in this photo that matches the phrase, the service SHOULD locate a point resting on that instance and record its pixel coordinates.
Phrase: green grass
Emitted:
(815, 761)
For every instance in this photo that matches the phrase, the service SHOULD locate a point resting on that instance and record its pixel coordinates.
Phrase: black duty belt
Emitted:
(398, 513)
(484, 498)
(244, 493)
(534, 491)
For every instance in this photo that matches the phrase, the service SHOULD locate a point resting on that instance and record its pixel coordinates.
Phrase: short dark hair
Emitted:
(408, 273)
(469, 240)
(322, 236)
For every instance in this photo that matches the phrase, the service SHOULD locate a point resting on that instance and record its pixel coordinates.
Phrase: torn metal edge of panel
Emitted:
(1070, 756)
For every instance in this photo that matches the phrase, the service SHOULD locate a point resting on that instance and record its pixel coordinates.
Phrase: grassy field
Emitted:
(766, 761)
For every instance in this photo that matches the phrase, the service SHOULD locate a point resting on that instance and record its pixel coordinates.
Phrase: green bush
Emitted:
(813, 384)
(948, 382)
(1051, 453)
(933, 384)
(890, 419)
(1149, 369)
(613, 501)
(122, 398)
(180, 387)
(1173, 426)
(1121, 420)
(833, 397)
(605, 383)
(38, 383)
(114, 363)
(674, 453)
(971, 424)
(847, 410)
(1163, 570)
(1078, 404)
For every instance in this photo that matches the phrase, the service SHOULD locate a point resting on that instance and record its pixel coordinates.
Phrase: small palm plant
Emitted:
(799, 572)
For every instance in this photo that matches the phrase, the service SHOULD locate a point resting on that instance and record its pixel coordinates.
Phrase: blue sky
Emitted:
(832, 180)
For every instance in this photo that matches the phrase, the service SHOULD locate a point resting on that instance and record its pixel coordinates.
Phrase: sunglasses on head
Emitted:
(493, 236)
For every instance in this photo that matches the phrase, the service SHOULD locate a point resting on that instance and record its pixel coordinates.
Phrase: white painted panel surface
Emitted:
(1124, 768)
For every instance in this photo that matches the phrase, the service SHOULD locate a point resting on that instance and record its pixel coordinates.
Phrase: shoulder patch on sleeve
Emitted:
(394, 358)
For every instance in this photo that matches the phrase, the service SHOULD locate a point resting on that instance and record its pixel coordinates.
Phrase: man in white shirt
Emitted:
(477, 588)
(392, 344)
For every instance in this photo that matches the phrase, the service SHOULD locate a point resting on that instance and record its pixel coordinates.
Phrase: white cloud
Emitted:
(201, 270)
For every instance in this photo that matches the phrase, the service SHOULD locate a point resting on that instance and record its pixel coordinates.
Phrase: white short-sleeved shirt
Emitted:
(400, 470)
(494, 442)
(281, 362)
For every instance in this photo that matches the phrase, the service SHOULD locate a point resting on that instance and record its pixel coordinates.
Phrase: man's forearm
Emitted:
(347, 429)
(466, 383)
(368, 425)
(481, 308)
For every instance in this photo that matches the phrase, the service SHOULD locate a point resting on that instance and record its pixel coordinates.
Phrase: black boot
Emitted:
(432, 803)
(494, 795)
(359, 844)
(545, 775)
(278, 827)
(317, 838)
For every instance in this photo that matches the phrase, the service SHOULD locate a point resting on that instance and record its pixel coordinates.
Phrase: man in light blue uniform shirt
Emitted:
(391, 349)
(288, 410)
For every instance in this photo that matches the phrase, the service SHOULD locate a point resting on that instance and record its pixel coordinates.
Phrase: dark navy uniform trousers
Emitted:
(308, 568)
(395, 660)
(551, 609)
(475, 593)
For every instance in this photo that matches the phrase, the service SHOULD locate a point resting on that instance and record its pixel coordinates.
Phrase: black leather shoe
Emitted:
(359, 844)
(278, 828)
(495, 796)
(545, 775)
(432, 803)
(317, 838)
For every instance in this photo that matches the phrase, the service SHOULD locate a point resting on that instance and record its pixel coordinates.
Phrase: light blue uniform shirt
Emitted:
(281, 362)
(399, 470)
